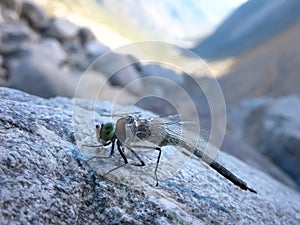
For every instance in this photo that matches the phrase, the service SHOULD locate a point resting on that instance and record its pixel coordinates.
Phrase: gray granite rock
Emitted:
(46, 180)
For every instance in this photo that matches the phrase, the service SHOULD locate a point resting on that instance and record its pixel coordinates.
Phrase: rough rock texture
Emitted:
(46, 180)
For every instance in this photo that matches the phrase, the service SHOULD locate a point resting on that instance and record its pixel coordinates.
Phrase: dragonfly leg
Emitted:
(119, 146)
(158, 157)
(142, 163)
(102, 157)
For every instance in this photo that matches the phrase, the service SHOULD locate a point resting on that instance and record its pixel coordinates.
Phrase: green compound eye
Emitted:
(107, 131)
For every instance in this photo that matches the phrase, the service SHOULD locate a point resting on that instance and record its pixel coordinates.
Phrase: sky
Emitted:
(236, 2)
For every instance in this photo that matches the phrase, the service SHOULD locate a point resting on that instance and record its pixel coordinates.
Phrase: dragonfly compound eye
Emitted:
(107, 131)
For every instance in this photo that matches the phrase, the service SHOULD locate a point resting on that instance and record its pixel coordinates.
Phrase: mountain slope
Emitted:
(251, 24)
(271, 69)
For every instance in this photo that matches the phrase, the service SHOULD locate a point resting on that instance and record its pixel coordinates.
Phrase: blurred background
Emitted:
(251, 48)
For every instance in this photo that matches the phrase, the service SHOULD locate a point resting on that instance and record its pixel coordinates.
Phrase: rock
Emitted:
(9, 16)
(41, 78)
(85, 36)
(45, 178)
(14, 5)
(135, 62)
(163, 72)
(45, 78)
(10, 11)
(17, 33)
(62, 29)
(239, 148)
(48, 48)
(14, 36)
(274, 128)
(237, 115)
(95, 49)
(3, 73)
(3, 77)
(35, 15)
(77, 58)
(93, 85)
(119, 71)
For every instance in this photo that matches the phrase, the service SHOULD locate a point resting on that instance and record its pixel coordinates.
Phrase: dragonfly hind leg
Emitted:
(119, 146)
(158, 157)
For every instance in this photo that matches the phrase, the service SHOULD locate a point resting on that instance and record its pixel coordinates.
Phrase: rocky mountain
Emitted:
(251, 24)
(271, 69)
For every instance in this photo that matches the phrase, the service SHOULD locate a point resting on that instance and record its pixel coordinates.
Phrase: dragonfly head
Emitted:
(105, 132)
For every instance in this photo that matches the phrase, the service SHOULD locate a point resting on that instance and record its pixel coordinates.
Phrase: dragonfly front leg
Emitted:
(97, 146)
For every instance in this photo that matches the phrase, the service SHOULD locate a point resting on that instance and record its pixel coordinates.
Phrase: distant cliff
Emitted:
(250, 25)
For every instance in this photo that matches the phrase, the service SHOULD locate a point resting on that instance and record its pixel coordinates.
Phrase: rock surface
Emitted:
(46, 180)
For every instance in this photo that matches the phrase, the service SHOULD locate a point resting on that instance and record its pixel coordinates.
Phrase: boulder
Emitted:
(14, 5)
(94, 49)
(151, 69)
(9, 16)
(119, 71)
(41, 78)
(47, 48)
(45, 178)
(85, 35)
(274, 129)
(47, 77)
(239, 148)
(35, 15)
(61, 29)
(14, 36)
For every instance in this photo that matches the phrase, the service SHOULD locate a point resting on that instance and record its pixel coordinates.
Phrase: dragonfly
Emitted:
(131, 129)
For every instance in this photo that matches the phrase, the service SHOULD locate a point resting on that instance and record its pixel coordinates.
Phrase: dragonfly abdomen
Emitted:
(218, 167)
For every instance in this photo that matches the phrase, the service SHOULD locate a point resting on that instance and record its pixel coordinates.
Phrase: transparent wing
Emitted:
(170, 130)
(110, 114)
